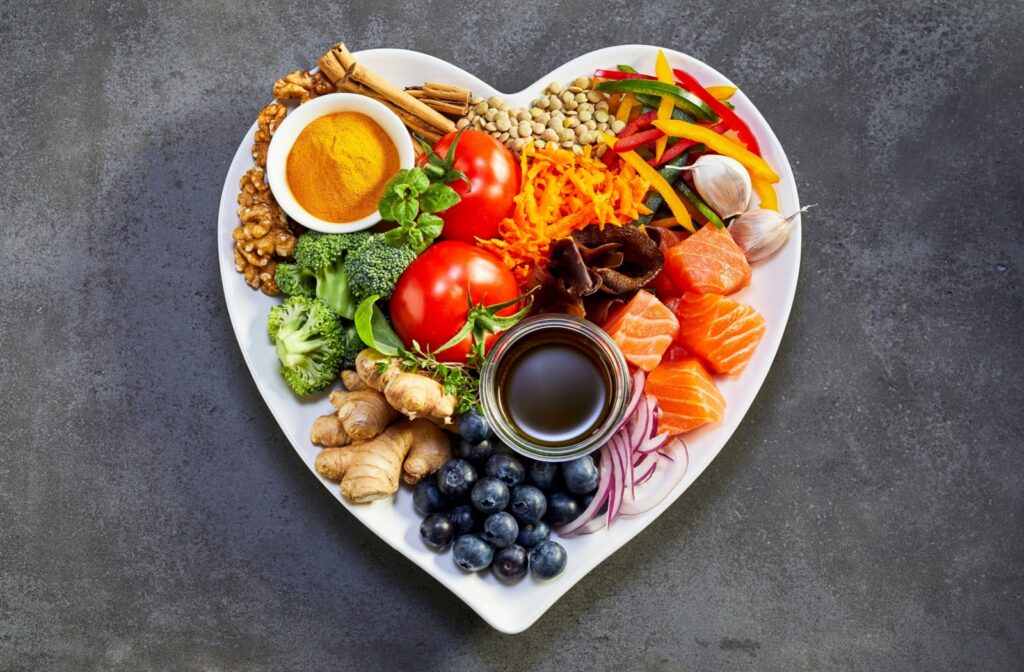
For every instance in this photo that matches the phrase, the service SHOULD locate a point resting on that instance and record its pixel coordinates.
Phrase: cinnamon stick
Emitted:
(412, 122)
(340, 66)
(440, 91)
(442, 106)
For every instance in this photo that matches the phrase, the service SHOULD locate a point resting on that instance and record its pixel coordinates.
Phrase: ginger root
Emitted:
(370, 470)
(364, 414)
(426, 456)
(411, 394)
(327, 430)
(352, 381)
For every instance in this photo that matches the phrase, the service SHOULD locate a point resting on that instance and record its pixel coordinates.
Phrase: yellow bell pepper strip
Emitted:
(664, 72)
(657, 182)
(625, 107)
(720, 144)
(722, 92)
(729, 118)
(766, 192)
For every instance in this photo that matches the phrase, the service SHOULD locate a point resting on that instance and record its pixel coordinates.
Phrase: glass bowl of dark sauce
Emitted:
(554, 387)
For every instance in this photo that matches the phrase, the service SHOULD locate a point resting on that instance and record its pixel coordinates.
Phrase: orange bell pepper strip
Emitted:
(664, 72)
(720, 144)
(657, 182)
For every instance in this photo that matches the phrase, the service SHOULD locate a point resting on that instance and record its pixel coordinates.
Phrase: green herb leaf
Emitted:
(374, 329)
(437, 198)
(430, 226)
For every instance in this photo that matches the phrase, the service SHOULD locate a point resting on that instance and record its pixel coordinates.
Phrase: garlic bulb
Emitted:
(759, 232)
(723, 183)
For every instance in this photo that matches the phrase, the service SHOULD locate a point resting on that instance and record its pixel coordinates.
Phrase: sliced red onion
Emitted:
(670, 479)
(604, 486)
(635, 455)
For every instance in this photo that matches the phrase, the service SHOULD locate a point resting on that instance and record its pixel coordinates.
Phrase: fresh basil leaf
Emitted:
(374, 329)
(437, 198)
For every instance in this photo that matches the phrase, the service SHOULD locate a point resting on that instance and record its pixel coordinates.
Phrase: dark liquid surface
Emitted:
(554, 390)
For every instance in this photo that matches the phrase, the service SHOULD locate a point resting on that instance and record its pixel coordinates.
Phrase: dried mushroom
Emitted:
(263, 234)
(269, 118)
(300, 85)
(595, 267)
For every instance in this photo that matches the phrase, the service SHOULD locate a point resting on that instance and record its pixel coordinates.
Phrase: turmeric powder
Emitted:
(339, 165)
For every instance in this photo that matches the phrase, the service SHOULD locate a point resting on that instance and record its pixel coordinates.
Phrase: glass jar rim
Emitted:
(584, 445)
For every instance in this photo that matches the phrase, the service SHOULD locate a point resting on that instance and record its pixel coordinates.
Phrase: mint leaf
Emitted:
(437, 198)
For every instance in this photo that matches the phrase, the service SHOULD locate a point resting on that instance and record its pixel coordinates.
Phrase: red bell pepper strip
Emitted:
(727, 115)
(630, 142)
(642, 122)
(672, 152)
(618, 75)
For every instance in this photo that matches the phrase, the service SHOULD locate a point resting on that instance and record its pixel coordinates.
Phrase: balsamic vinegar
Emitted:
(554, 388)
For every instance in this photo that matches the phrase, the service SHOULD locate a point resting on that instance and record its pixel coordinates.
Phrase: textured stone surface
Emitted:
(866, 515)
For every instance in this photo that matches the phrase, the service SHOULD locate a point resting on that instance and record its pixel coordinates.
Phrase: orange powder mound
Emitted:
(339, 165)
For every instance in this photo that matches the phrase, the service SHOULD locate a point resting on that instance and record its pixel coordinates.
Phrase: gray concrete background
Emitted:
(867, 515)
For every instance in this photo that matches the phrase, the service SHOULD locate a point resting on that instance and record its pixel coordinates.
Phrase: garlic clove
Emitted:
(760, 233)
(723, 183)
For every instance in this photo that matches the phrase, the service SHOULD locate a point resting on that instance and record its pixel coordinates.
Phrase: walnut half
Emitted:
(263, 236)
(300, 85)
(269, 118)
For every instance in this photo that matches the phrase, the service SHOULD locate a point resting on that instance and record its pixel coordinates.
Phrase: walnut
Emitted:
(302, 86)
(270, 117)
(264, 234)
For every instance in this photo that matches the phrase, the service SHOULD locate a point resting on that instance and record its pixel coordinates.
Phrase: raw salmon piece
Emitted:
(708, 262)
(675, 353)
(722, 332)
(687, 396)
(643, 329)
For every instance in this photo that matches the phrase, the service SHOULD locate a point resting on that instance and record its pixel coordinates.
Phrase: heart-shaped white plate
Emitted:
(514, 608)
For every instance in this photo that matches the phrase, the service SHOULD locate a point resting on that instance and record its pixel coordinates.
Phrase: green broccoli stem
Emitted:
(332, 287)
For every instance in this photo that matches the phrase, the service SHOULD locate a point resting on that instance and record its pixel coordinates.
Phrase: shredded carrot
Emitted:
(563, 192)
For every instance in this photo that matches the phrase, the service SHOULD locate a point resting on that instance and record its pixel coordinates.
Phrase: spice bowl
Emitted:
(291, 128)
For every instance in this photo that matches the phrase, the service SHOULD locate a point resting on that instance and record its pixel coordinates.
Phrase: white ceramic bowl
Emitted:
(302, 116)
(514, 608)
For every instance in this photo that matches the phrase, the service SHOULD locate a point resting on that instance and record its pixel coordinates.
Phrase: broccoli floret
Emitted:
(323, 256)
(294, 280)
(375, 266)
(352, 346)
(309, 342)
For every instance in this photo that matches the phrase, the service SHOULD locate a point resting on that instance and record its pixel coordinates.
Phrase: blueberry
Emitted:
(473, 426)
(456, 478)
(489, 495)
(500, 529)
(586, 501)
(562, 509)
(544, 475)
(547, 560)
(580, 475)
(508, 468)
(463, 517)
(472, 553)
(510, 563)
(427, 499)
(531, 534)
(476, 452)
(527, 504)
(437, 531)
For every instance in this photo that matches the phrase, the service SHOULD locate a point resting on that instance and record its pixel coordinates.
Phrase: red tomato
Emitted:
(430, 306)
(494, 181)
